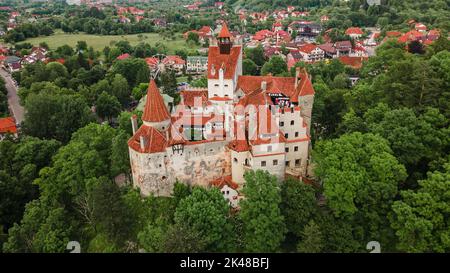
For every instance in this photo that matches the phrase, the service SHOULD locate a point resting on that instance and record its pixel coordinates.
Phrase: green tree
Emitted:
(276, 66)
(55, 116)
(107, 106)
(193, 37)
(298, 206)
(120, 160)
(206, 212)
(312, 240)
(264, 227)
(249, 67)
(256, 55)
(360, 178)
(120, 89)
(421, 218)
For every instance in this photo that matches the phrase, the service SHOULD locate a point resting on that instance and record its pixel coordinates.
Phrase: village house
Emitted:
(305, 30)
(343, 48)
(7, 127)
(196, 64)
(238, 123)
(13, 63)
(174, 63)
(329, 50)
(38, 54)
(354, 32)
(311, 53)
(204, 34)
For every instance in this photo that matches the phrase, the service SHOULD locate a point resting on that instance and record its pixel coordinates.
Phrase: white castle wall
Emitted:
(197, 165)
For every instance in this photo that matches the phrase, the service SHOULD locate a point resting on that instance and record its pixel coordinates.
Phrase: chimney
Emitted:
(134, 124)
(297, 76)
(142, 142)
(263, 86)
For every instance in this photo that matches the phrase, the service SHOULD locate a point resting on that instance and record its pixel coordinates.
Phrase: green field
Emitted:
(100, 41)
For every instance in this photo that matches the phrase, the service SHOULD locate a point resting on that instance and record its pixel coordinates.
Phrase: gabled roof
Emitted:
(354, 31)
(228, 62)
(123, 56)
(307, 48)
(155, 110)
(224, 180)
(224, 32)
(355, 62)
(7, 125)
(155, 141)
(189, 97)
(328, 47)
(251, 86)
(239, 145)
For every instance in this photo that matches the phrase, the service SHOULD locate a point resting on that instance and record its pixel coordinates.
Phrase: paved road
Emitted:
(13, 99)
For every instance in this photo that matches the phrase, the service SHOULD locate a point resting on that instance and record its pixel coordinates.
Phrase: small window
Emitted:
(287, 163)
(235, 160)
(281, 123)
(269, 148)
(286, 135)
(263, 163)
(296, 149)
(297, 162)
(216, 85)
(292, 122)
(286, 149)
(296, 134)
(275, 162)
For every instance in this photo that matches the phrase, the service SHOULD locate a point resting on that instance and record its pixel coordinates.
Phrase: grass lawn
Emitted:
(100, 41)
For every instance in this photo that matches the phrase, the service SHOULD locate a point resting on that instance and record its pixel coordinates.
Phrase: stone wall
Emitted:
(196, 165)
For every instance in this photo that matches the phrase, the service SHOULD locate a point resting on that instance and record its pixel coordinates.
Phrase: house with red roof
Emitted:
(152, 63)
(354, 32)
(238, 123)
(311, 53)
(123, 56)
(174, 63)
(277, 26)
(420, 27)
(204, 33)
(353, 62)
(7, 127)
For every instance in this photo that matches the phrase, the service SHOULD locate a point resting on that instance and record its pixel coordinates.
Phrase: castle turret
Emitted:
(224, 40)
(155, 113)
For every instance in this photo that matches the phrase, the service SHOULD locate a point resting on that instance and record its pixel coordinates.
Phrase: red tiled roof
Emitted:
(307, 48)
(224, 32)
(355, 62)
(155, 110)
(152, 61)
(239, 145)
(123, 56)
(173, 59)
(328, 47)
(410, 36)
(189, 96)
(226, 61)
(354, 30)
(155, 141)
(285, 85)
(224, 180)
(8, 125)
(393, 33)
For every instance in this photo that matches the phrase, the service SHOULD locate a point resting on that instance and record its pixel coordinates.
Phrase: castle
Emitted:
(214, 135)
